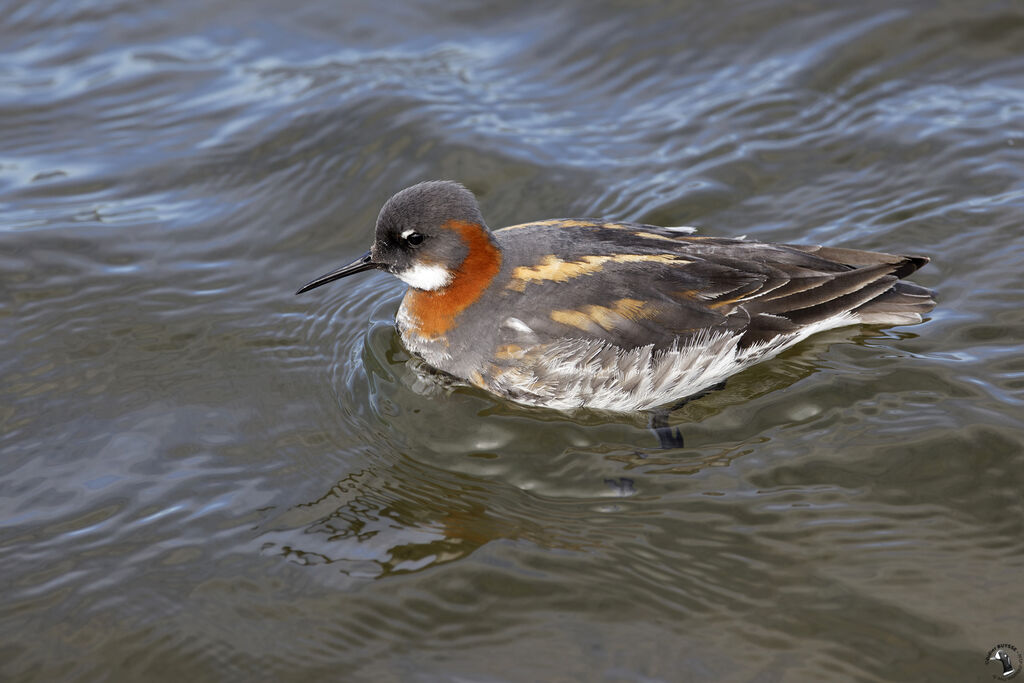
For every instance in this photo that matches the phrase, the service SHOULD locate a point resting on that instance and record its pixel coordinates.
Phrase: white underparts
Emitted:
(575, 373)
(425, 276)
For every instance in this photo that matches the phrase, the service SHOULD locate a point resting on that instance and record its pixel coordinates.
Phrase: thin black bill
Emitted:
(364, 262)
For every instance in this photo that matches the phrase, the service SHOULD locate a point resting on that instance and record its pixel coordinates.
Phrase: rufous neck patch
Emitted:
(433, 312)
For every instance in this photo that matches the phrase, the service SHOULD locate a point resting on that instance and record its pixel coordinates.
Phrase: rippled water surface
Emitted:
(205, 477)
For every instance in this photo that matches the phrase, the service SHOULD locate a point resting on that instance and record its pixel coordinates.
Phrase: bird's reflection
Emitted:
(374, 525)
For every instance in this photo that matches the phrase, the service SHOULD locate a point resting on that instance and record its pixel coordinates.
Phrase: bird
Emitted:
(582, 313)
(1003, 658)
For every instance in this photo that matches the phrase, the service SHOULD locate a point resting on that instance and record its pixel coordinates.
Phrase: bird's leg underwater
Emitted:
(668, 436)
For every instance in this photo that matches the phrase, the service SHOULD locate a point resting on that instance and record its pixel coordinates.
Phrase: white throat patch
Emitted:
(428, 277)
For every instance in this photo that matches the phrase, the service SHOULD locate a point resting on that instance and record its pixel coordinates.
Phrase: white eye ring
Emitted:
(406, 233)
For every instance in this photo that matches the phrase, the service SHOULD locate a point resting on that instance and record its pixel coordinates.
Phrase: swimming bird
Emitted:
(585, 313)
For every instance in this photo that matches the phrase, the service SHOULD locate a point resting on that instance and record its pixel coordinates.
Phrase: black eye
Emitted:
(415, 239)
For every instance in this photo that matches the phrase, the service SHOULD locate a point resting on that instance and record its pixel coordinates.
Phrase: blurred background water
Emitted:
(204, 476)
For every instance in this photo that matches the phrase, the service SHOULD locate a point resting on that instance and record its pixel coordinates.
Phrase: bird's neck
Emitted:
(432, 313)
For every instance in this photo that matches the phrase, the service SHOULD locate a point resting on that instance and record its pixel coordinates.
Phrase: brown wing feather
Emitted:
(757, 289)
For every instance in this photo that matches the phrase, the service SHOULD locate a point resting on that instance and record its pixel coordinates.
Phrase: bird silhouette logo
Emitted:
(1009, 659)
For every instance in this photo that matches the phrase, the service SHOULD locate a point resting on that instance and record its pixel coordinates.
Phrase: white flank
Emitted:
(428, 277)
(682, 229)
(576, 373)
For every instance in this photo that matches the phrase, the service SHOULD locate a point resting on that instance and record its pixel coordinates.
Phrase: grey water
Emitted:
(205, 477)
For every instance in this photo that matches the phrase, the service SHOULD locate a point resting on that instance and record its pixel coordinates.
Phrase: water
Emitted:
(204, 476)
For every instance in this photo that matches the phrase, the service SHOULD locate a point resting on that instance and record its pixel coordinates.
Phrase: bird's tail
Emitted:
(903, 304)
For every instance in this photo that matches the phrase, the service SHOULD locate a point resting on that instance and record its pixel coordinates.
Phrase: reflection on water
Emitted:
(206, 478)
(364, 528)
